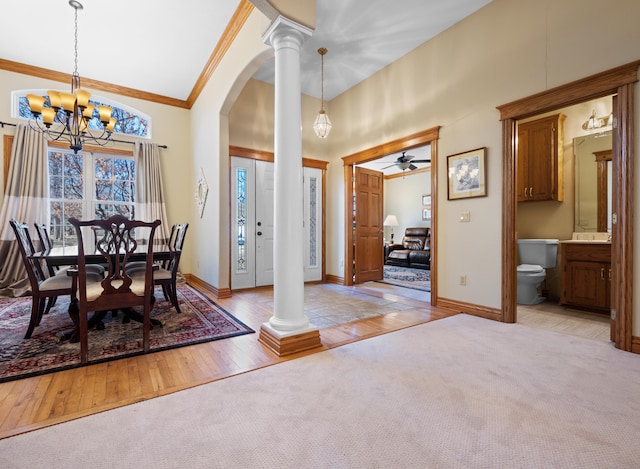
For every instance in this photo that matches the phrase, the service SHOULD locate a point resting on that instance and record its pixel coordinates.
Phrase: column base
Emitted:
(283, 345)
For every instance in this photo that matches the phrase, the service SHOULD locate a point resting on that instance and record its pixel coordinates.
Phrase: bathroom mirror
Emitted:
(592, 172)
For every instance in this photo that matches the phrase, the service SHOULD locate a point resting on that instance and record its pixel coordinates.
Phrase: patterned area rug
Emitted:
(418, 279)
(201, 320)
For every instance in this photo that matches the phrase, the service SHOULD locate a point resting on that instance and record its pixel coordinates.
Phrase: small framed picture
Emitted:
(426, 214)
(426, 200)
(467, 176)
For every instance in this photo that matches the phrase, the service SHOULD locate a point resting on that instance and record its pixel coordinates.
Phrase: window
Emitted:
(87, 186)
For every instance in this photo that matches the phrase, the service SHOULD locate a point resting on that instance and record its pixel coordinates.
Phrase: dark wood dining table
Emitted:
(68, 256)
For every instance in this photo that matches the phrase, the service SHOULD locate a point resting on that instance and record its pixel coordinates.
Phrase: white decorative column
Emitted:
(288, 331)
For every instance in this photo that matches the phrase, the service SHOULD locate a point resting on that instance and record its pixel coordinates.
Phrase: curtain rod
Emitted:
(2, 124)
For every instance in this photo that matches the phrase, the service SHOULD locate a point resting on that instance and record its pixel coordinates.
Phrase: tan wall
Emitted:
(251, 121)
(508, 50)
(301, 11)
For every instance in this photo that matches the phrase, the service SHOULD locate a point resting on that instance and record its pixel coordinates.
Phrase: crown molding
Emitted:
(233, 28)
(90, 83)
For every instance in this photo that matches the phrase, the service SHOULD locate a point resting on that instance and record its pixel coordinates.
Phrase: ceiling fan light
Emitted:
(322, 124)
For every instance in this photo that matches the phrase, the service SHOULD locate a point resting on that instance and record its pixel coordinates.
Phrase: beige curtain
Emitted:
(25, 200)
(149, 192)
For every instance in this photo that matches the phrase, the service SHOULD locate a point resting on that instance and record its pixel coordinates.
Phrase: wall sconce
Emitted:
(594, 122)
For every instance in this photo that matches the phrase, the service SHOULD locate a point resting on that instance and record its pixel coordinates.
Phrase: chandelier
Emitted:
(322, 124)
(72, 112)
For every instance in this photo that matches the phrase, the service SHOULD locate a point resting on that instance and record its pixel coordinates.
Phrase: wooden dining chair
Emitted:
(118, 290)
(166, 276)
(46, 244)
(44, 290)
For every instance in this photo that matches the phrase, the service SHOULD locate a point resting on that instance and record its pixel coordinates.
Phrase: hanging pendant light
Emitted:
(77, 111)
(322, 124)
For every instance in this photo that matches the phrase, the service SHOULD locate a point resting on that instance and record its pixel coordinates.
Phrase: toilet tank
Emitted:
(542, 252)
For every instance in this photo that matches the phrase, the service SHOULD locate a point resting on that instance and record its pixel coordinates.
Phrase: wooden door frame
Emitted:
(617, 81)
(428, 136)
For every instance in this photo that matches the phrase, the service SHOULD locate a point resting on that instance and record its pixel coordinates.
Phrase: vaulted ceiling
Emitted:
(162, 46)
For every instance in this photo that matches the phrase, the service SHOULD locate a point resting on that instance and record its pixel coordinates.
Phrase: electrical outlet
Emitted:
(465, 217)
(463, 280)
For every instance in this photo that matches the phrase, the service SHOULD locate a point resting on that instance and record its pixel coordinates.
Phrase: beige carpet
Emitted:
(459, 392)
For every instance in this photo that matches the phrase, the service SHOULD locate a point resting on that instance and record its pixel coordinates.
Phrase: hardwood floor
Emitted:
(41, 401)
(33, 403)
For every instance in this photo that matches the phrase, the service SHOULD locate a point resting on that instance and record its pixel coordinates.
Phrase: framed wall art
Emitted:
(467, 175)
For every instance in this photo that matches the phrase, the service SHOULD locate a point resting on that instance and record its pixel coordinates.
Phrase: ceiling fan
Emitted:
(405, 162)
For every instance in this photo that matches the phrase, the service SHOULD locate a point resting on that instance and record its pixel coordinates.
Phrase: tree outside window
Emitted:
(87, 186)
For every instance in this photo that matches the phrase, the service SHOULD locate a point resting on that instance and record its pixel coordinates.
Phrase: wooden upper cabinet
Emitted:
(540, 159)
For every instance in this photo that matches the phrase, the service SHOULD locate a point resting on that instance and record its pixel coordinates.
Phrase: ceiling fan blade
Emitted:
(390, 166)
(421, 161)
(412, 167)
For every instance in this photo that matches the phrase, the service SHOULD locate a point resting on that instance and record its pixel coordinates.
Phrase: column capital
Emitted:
(283, 30)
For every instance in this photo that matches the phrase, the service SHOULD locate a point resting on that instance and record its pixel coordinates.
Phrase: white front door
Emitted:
(252, 215)
(264, 222)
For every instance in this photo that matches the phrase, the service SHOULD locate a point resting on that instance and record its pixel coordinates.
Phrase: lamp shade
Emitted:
(391, 220)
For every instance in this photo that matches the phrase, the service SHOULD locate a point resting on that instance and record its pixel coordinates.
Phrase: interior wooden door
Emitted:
(368, 236)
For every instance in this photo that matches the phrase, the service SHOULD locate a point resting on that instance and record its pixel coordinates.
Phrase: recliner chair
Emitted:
(415, 250)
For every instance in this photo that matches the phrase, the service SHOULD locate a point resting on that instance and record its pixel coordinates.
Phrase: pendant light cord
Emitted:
(322, 51)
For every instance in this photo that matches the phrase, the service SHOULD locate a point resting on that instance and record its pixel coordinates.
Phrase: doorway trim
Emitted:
(617, 81)
(428, 136)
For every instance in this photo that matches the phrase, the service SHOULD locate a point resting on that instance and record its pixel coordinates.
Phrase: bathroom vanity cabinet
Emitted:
(540, 159)
(586, 275)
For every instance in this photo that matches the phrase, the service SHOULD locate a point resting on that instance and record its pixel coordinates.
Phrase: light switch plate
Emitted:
(465, 217)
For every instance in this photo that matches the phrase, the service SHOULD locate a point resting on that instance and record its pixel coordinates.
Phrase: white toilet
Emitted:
(535, 255)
